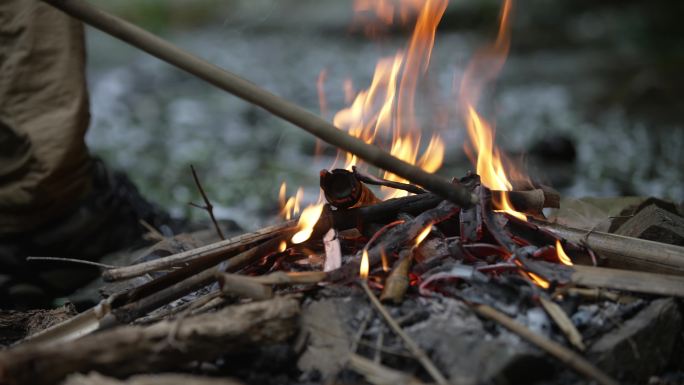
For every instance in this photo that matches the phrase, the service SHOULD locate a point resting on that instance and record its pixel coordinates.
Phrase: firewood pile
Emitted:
(453, 283)
(407, 290)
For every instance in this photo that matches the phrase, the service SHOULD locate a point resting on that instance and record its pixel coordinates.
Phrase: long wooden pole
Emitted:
(254, 94)
(625, 252)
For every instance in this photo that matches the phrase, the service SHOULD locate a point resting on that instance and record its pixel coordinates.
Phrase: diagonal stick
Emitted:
(256, 95)
(419, 353)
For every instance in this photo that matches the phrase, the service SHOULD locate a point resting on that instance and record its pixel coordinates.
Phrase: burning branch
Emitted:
(256, 95)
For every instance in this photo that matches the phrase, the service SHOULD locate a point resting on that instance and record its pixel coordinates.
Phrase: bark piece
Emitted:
(165, 345)
(643, 345)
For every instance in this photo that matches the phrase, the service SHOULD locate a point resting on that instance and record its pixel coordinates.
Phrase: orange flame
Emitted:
(283, 246)
(289, 207)
(384, 113)
(306, 223)
(541, 282)
(484, 67)
(385, 262)
(365, 266)
(562, 256)
(423, 234)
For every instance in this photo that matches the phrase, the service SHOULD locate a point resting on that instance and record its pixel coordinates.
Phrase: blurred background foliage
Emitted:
(590, 96)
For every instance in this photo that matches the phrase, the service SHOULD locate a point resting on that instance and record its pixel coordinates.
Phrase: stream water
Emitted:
(596, 115)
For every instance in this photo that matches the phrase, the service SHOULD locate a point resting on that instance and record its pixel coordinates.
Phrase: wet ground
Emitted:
(590, 93)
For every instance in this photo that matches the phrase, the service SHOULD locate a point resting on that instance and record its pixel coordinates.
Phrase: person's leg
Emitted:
(55, 200)
(45, 168)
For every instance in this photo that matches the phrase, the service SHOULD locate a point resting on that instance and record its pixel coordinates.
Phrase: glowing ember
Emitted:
(306, 223)
(385, 263)
(365, 267)
(424, 233)
(562, 256)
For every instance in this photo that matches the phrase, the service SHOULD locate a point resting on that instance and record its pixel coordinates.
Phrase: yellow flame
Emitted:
(364, 267)
(423, 234)
(489, 165)
(289, 207)
(283, 246)
(384, 114)
(541, 282)
(484, 67)
(306, 223)
(562, 256)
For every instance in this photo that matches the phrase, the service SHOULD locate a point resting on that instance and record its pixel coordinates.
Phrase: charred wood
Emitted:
(396, 238)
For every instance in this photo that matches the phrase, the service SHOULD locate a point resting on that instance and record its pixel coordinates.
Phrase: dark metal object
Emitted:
(344, 190)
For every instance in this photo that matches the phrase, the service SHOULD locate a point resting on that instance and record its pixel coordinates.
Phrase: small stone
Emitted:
(642, 346)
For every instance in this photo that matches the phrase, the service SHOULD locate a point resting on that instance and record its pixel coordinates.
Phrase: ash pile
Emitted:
(357, 290)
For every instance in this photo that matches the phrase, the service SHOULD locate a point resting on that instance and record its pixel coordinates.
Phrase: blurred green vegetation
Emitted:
(163, 15)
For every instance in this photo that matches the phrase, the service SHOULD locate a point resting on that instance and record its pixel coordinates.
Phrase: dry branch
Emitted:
(214, 250)
(565, 355)
(258, 287)
(601, 277)
(256, 95)
(564, 323)
(208, 207)
(396, 238)
(626, 252)
(378, 374)
(648, 283)
(412, 346)
(133, 349)
(191, 281)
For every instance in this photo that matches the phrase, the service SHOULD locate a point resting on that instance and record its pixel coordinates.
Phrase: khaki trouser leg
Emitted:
(44, 163)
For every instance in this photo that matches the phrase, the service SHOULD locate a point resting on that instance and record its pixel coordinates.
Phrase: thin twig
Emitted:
(359, 332)
(369, 179)
(72, 260)
(420, 355)
(152, 231)
(377, 356)
(183, 314)
(563, 354)
(207, 204)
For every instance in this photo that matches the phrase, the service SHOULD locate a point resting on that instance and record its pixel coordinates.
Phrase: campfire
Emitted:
(395, 275)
